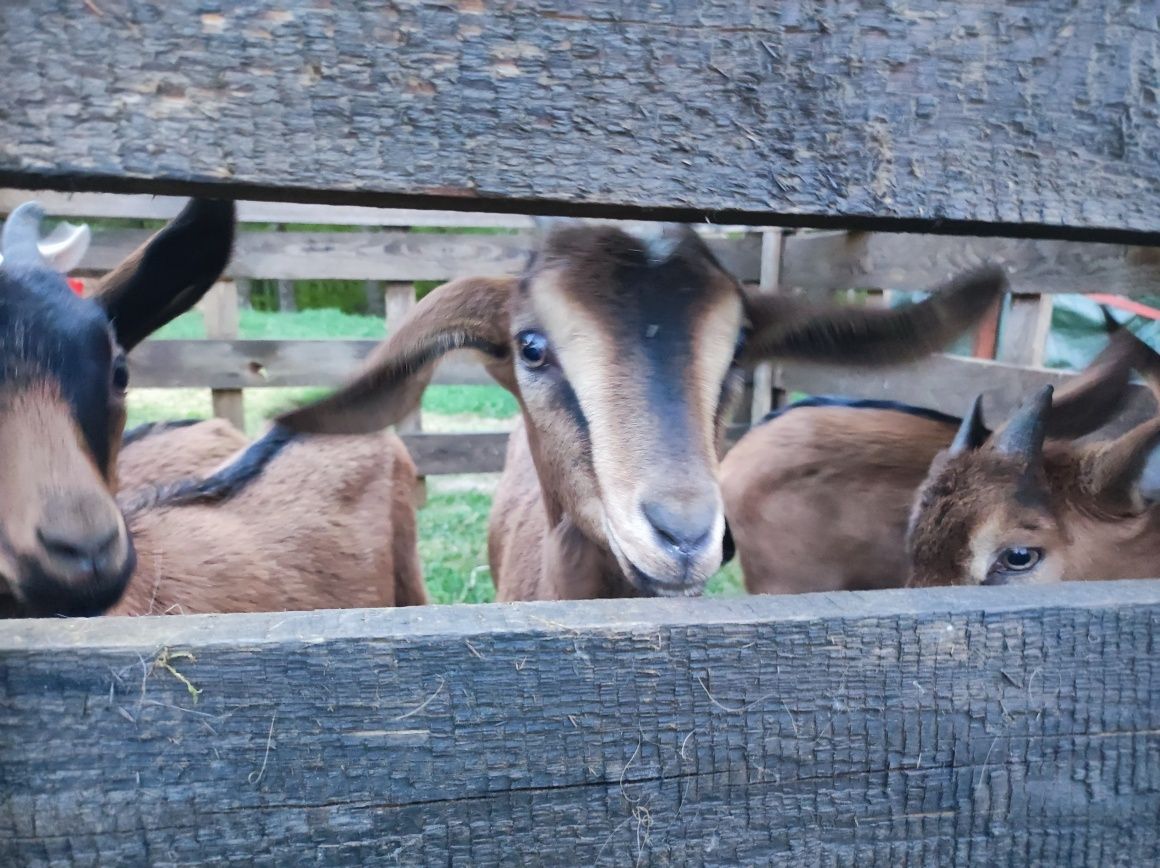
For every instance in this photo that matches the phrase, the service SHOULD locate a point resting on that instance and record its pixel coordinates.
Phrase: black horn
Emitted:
(1023, 434)
(972, 432)
(20, 238)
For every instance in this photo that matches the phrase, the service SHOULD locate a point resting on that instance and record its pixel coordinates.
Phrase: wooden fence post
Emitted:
(376, 305)
(763, 379)
(220, 308)
(1023, 331)
(287, 303)
(245, 290)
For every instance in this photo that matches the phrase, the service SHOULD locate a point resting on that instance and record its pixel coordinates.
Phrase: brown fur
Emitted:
(64, 546)
(818, 498)
(977, 504)
(611, 482)
(171, 454)
(328, 524)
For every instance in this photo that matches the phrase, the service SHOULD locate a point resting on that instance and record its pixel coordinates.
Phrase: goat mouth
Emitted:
(649, 585)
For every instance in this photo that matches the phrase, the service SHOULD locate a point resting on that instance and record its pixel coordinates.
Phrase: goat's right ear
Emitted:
(790, 328)
(1126, 472)
(470, 313)
(170, 272)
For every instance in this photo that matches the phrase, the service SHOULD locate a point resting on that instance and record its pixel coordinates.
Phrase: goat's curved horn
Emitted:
(20, 238)
(972, 432)
(65, 246)
(1023, 434)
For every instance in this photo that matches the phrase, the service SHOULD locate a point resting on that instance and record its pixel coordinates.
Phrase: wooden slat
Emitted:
(248, 364)
(946, 383)
(437, 454)
(1025, 327)
(220, 307)
(983, 726)
(1038, 113)
(142, 207)
(826, 260)
(771, 247)
(389, 256)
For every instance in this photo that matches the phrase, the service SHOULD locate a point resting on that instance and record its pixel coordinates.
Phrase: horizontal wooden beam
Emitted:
(440, 454)
(982, 725)
(255, 364)
(958, 117)
(949, 384)
(144, 207)
(824, 261)
(391, 256)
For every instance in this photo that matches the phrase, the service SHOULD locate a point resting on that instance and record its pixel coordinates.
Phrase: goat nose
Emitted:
(89, 553)
(687, 526)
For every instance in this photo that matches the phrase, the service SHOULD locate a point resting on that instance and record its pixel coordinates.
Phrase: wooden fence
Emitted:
(992, 726)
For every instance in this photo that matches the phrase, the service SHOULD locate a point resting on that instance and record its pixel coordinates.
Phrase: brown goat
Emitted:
(819, 496)
(325, 525)
(64, 546)
(1015, 509)
(161, 452)
(303, 525)
(624, 353)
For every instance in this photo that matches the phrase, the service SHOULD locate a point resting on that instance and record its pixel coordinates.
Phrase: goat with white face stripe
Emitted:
(625, 354)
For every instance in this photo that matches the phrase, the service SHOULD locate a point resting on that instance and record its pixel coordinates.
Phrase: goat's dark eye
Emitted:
(120, 375)
(1013, 560)
(533, 348)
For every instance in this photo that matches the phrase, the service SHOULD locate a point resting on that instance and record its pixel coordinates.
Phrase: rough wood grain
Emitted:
(949, 384)
(1039, 116)
(969, 726)
(389, 256)
(248, 364)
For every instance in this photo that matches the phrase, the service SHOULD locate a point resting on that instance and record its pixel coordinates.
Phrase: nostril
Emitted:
(687, 531)
(80, 548)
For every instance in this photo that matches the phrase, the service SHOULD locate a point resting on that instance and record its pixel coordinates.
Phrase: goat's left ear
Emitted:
(1126, 472)
(789, 328)
(170, 273)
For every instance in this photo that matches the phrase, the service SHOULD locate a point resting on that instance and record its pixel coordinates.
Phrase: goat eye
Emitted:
(533, 348)
(120, 375)
(1015, 559)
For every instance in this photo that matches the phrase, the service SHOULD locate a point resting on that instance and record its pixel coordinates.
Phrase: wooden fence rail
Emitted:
(968, 726)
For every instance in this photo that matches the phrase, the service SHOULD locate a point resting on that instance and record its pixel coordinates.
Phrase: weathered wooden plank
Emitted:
(962, 112)
(967, 726)
(220, 307)
(475, 452)
(143, 207)
(1025, 327)
(824, 261)
(248, 364)
(949, 384)
(390, 256)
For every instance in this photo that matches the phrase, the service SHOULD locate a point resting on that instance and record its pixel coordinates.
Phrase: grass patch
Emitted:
(453, 546)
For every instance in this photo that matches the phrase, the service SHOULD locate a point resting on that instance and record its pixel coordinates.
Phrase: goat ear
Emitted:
(170, 273)
(972, 432)
(790, 328)
(1094, 397)
(1126, 471)
(1022, 435)
(470, 313)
